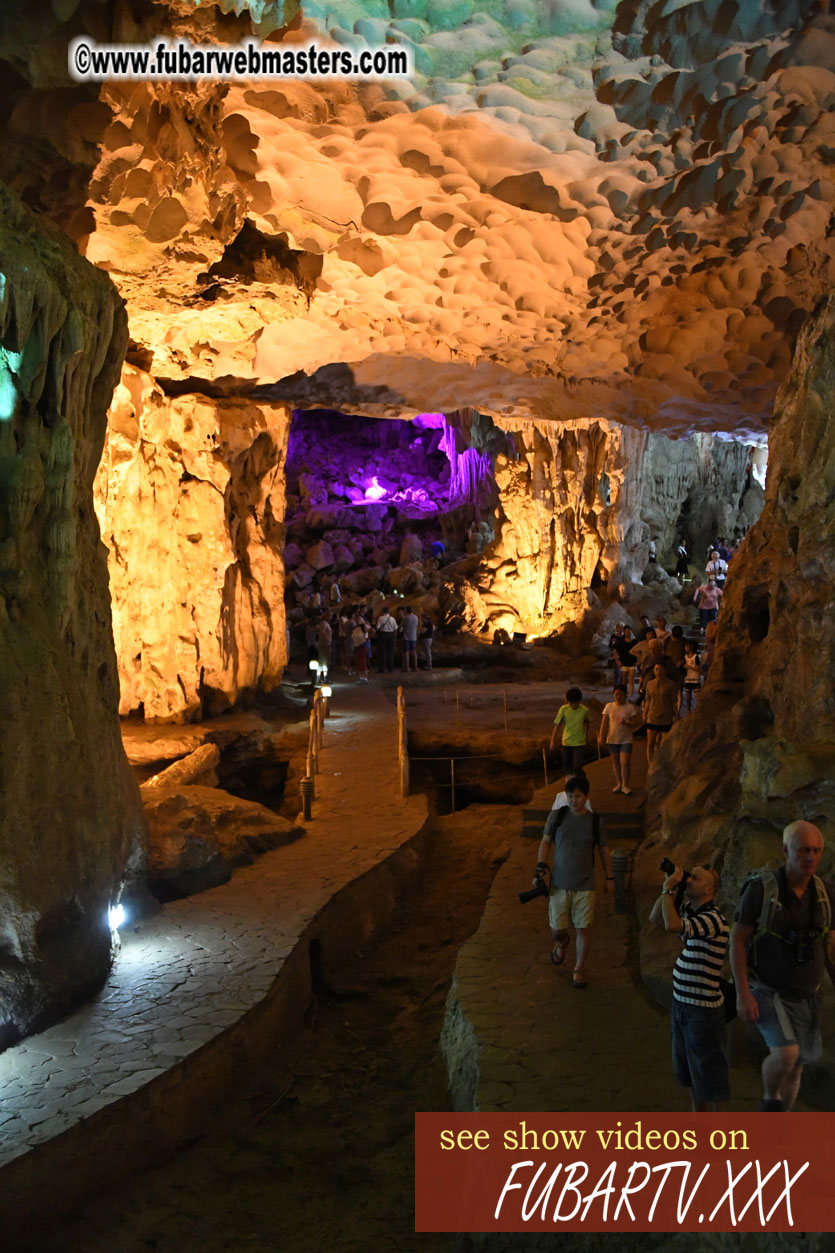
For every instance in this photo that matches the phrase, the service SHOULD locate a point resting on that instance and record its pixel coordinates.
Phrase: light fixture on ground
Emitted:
(116, 917)
(326, 697)
(115, 920)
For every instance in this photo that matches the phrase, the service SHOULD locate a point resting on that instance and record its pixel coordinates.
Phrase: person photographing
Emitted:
(686, 907)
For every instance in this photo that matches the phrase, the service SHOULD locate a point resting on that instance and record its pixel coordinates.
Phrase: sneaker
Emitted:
(771, 1105)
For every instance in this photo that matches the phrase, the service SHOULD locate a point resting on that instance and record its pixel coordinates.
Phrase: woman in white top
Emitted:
(619, 721)
(717, 568)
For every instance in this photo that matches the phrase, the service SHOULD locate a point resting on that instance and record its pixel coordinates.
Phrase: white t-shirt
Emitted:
(623, 719)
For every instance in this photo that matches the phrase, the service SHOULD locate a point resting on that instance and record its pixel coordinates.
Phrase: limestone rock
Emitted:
(605, 629)
(199, 834)
(198, 767)
(190, 501)
(293, 556)
(411, 550)
(72, 832)
(406, 580)
(320, 556)
(343, 558)
(361, 582)
(637, 206)
(759, 750)
(142, 750)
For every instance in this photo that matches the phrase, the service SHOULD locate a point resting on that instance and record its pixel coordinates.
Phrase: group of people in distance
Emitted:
(656, 678)
(349, 638)
(781, 944)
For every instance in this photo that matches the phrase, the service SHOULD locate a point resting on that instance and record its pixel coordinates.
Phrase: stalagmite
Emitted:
(72, 834)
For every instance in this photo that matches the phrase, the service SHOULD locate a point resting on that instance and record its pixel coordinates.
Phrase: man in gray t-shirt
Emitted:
(573, 832)
(409, 627)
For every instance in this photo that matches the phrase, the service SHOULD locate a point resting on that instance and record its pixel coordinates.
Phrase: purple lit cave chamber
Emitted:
(368, 497)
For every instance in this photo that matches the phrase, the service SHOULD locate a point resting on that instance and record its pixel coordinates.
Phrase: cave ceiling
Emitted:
(568, 210)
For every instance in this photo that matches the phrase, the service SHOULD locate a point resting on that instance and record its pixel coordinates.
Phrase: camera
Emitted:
(803, 943)
(541, 889)
(668, 867)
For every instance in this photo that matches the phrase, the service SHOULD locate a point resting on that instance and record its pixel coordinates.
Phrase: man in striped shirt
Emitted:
(698, 1015)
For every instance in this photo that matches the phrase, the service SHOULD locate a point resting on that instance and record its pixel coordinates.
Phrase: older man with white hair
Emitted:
(781, 943)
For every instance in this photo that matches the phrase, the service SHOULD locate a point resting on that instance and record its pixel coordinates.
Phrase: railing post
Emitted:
(312, 748)
(402, 742)
(545, 764)
(308, 796)
(452, 780)
(620, 860)
(504, 694)
(319, 711)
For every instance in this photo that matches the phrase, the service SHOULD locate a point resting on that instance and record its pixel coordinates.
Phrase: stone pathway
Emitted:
(519, 1036)
(193, 990)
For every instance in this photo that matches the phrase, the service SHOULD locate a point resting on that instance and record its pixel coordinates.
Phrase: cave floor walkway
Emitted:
(202, 990)
(194, 986)
(525, 1038)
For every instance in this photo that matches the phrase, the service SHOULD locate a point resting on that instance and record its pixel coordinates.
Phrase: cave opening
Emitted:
(379, 506)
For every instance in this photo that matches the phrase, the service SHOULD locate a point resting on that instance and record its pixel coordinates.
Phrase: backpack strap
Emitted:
(771, 902)
(824, 904)
(552, 822)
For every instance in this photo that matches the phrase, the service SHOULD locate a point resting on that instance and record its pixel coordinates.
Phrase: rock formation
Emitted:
(72, 832)
(190, 496)
(199, 834)
(564, 211)
(595, 231)
(577, 507)
(759, 751)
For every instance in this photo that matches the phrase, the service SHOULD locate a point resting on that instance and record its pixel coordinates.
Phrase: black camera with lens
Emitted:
(541, 888)
(669, 867)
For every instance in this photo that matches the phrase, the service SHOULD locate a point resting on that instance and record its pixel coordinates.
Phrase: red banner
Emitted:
(624, 1172)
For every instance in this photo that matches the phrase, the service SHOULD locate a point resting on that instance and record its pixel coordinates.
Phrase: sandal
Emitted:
(558, 953)
(579, 980)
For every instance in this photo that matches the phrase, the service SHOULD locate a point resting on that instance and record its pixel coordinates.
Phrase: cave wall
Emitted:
(700, 480)
(566, 209)
(190, 496)
(759, 751)
(578, 506)
(71, 830)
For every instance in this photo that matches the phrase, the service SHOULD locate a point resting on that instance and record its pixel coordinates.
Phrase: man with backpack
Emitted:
(573, 832)
(781, 943)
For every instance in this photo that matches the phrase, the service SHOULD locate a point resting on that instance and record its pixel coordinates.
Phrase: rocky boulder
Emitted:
(199, 834)
(198, 767)
(320, 556)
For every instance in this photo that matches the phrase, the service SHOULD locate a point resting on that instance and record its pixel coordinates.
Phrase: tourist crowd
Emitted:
(353, 638)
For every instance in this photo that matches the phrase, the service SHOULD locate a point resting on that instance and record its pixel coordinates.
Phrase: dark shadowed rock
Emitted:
(199, 834)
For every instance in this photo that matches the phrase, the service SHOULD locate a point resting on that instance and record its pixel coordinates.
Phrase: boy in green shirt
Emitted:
(574, 719)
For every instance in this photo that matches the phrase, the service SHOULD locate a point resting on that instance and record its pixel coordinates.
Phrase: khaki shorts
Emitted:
(574, 907)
